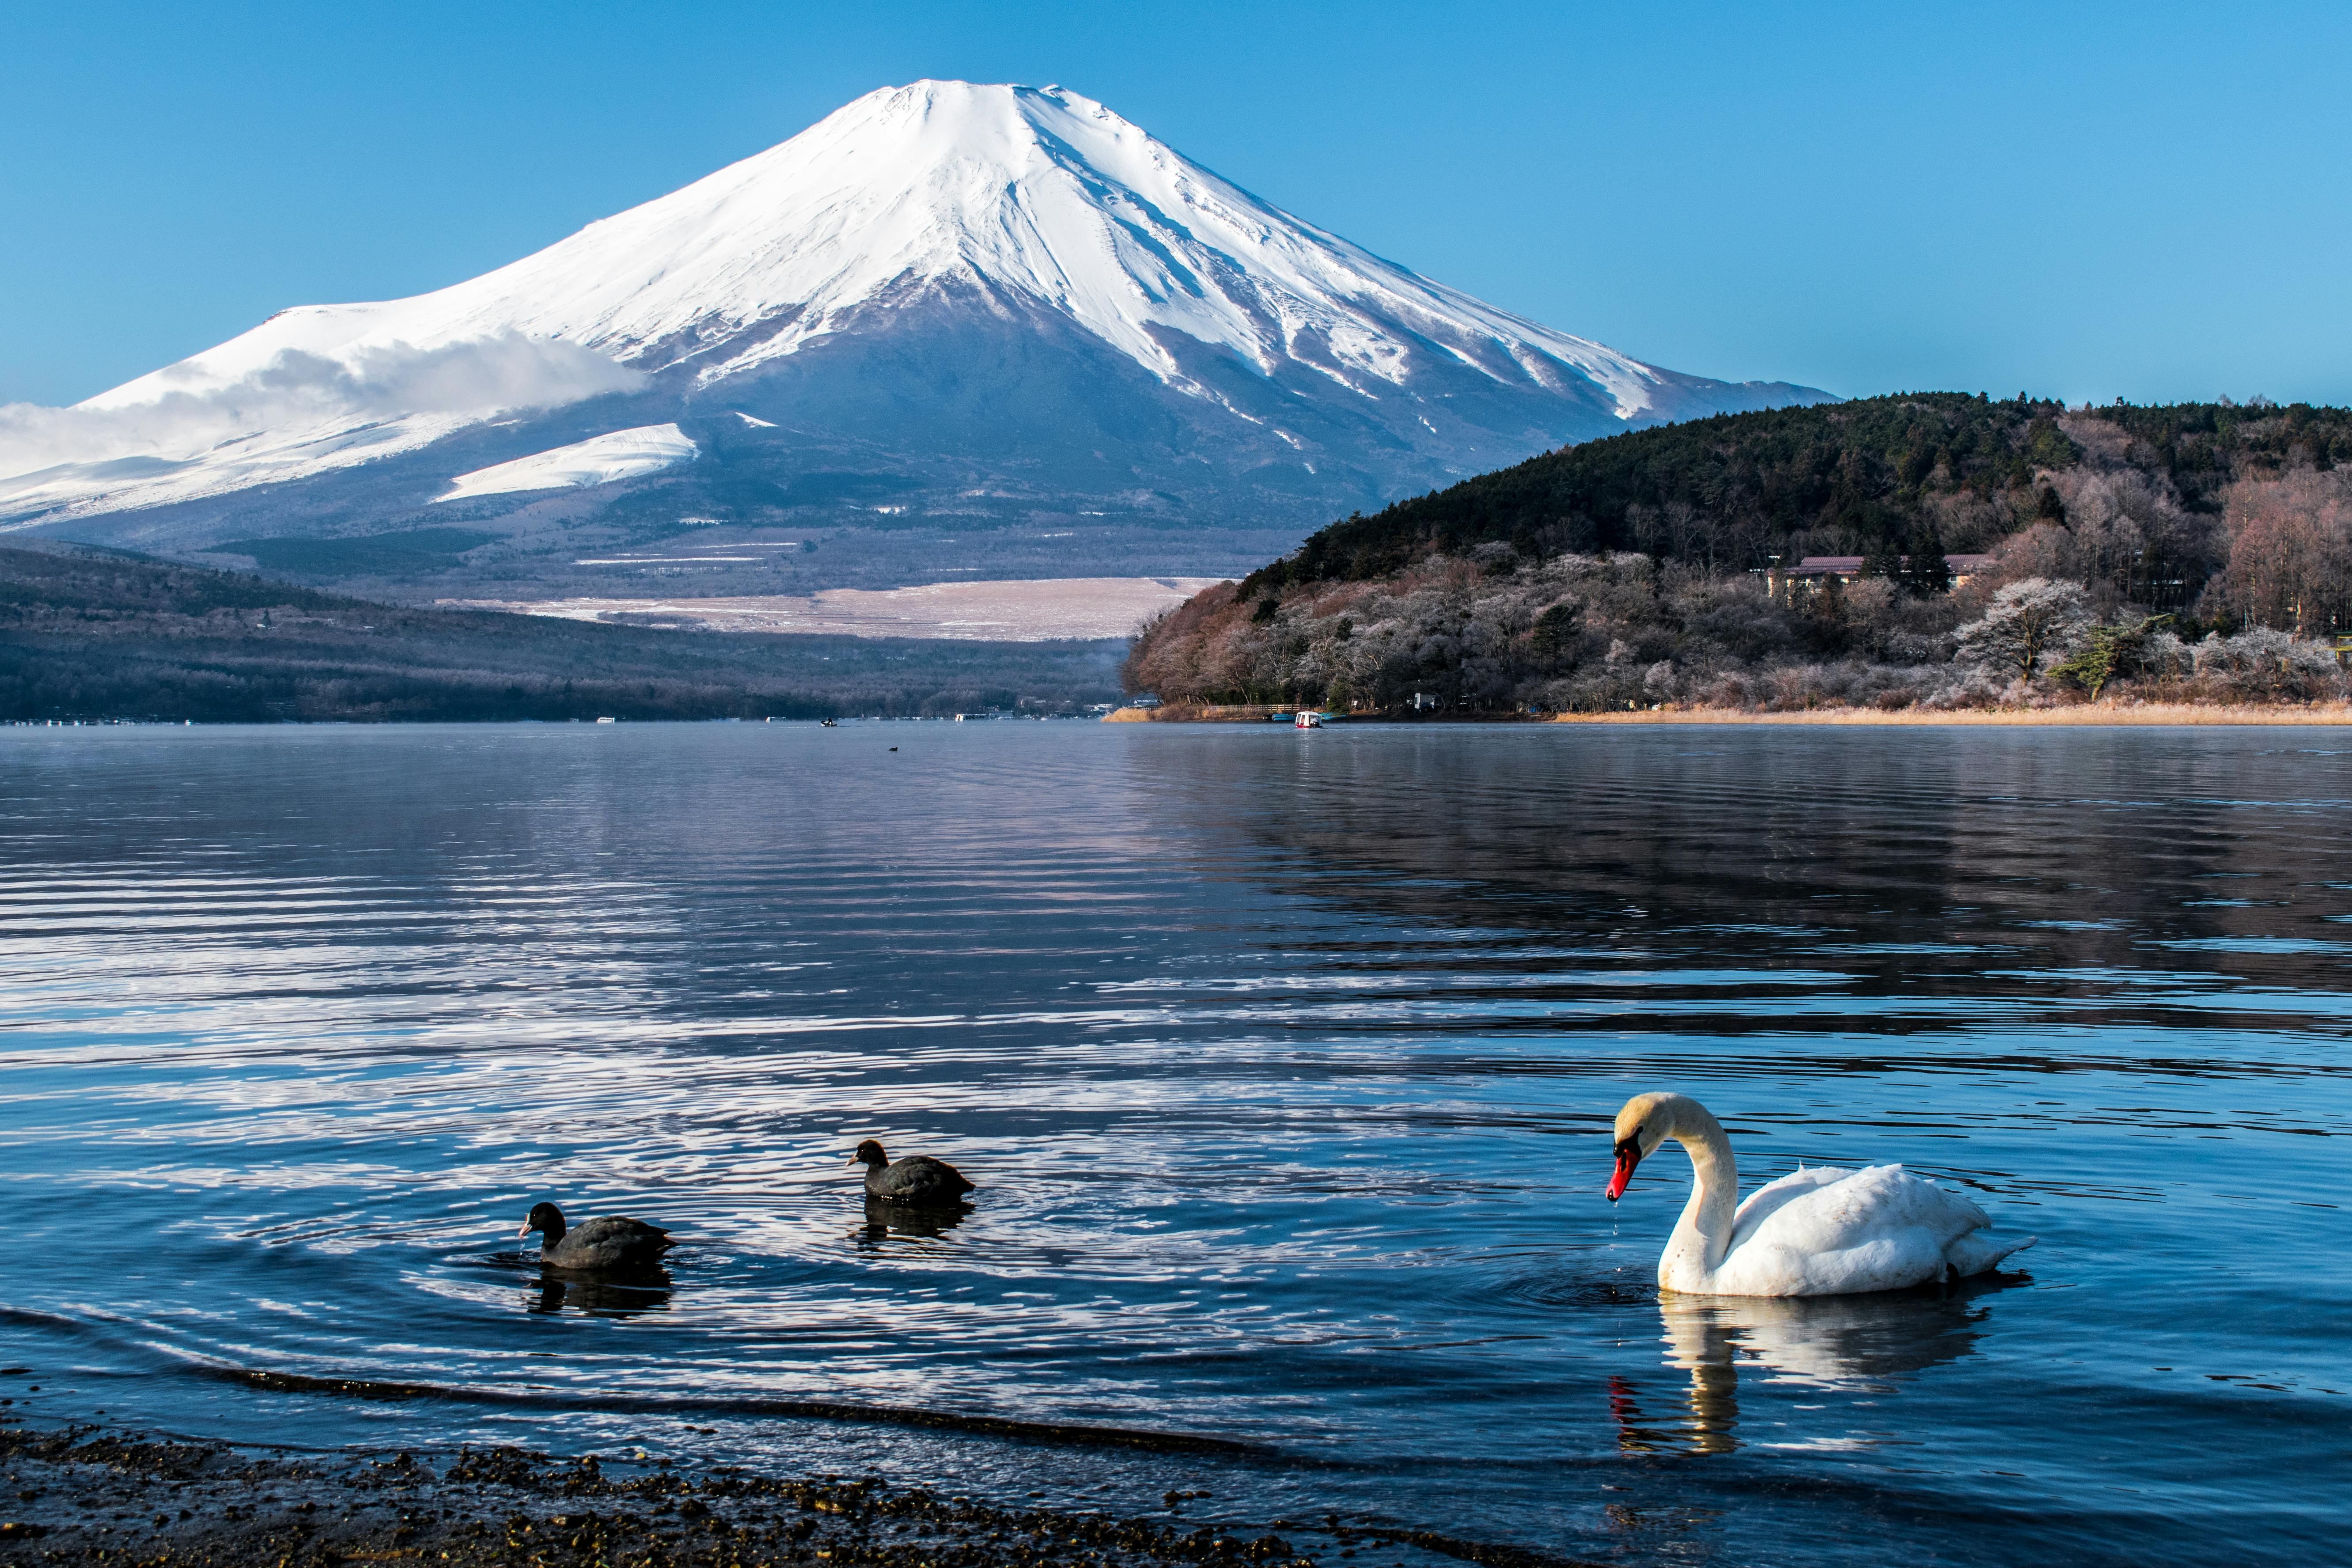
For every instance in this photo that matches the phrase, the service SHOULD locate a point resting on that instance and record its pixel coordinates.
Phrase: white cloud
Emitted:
(299, 392)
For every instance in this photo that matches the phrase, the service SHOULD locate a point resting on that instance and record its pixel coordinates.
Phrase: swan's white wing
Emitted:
(1767, 1199)
(1880, 1228)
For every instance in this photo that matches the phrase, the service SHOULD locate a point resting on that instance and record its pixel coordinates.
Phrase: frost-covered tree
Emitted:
(2028, 625)
(2267, 663)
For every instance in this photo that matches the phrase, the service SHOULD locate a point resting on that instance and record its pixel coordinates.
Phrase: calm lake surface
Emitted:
(1285, 1063)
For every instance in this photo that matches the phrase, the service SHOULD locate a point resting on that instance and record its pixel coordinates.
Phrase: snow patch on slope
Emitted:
(296, 411)
(599, 460)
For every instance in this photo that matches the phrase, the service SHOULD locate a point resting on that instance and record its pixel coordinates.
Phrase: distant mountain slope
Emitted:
(999, 303)
(105, 635)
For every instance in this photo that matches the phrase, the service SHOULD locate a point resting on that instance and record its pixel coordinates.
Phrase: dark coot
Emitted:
(609, 1245)
(917, 1179)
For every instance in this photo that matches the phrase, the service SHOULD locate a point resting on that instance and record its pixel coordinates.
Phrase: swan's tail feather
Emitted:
(1977, 1253)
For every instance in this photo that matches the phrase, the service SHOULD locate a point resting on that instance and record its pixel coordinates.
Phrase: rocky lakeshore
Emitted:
(89, 1495)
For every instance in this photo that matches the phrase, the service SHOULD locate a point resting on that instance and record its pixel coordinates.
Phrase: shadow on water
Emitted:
(1852, 1345)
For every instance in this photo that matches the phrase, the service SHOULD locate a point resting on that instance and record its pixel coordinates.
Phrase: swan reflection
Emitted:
(605, 1298)
(1855, 1344)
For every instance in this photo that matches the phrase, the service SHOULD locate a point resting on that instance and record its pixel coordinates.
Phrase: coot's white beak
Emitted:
(524, 1231)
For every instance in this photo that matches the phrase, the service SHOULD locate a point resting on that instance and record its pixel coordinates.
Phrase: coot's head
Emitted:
(869, 1153)
(545, 1217)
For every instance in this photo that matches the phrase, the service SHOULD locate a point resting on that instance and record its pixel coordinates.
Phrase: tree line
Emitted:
(1879, 477)
(2200, 552)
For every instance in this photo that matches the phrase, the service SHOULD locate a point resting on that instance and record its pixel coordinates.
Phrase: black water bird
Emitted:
(917, 1179)
(615, 1243)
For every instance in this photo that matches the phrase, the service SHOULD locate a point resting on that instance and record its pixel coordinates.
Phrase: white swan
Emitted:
(1820, 1231)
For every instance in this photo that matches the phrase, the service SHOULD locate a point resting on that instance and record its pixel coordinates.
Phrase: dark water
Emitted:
(1285, 1062)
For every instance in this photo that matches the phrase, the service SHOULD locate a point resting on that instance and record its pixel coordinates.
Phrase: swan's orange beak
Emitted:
(1628, 1154)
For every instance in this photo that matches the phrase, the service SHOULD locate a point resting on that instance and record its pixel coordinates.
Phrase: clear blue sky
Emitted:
(2151, 201)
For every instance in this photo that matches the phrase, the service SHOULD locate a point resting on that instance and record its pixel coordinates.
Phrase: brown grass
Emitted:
(2087, 713)
(2090, 713)
(1195, 713)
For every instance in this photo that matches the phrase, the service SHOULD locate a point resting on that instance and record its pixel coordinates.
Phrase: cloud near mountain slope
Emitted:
(296, 413)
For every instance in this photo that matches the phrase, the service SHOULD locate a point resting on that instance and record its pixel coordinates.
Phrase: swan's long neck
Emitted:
(1704, 1233)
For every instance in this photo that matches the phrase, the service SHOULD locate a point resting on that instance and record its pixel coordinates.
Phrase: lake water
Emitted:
(1285, 1063)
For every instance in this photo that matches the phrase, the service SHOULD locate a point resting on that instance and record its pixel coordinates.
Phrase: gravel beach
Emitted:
(88, 1495)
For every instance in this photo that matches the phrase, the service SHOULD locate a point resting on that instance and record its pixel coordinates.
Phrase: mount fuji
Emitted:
(945, 308)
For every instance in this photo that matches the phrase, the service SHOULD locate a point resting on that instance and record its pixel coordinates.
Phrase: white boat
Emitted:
(1306, 719)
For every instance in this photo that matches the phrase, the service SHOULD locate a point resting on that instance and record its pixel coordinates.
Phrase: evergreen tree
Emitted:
(2108, 651)
(1879, 558)
(1926, 572)
(1555, 631)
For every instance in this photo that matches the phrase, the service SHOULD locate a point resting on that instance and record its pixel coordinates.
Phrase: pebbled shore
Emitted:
(89, 1496)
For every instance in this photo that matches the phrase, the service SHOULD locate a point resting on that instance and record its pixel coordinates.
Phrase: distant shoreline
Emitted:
(2086, 714)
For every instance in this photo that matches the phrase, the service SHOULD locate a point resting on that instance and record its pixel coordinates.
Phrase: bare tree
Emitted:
(2290, 552)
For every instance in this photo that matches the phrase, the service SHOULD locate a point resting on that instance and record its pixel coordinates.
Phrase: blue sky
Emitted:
(2147, 201)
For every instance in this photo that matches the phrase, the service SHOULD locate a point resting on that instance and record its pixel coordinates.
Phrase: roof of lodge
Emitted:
(1849, 565)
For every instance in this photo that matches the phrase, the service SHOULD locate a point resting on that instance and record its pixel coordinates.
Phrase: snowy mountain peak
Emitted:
(909, 214)
(1039, 195)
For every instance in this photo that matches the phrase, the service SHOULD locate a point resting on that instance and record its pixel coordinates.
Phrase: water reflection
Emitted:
(1960, 859)
(627, 1298)
(1289, 1047)
(1851, 1344)
(884, 1219)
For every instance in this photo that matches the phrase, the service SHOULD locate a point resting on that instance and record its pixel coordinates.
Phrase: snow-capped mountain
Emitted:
(945, 290)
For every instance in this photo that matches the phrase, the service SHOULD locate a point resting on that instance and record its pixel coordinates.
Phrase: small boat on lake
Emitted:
(1306, 719)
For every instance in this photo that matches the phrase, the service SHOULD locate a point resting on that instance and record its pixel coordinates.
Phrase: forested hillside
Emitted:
(1865, 478)
(1648, 568)
(100, 635)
